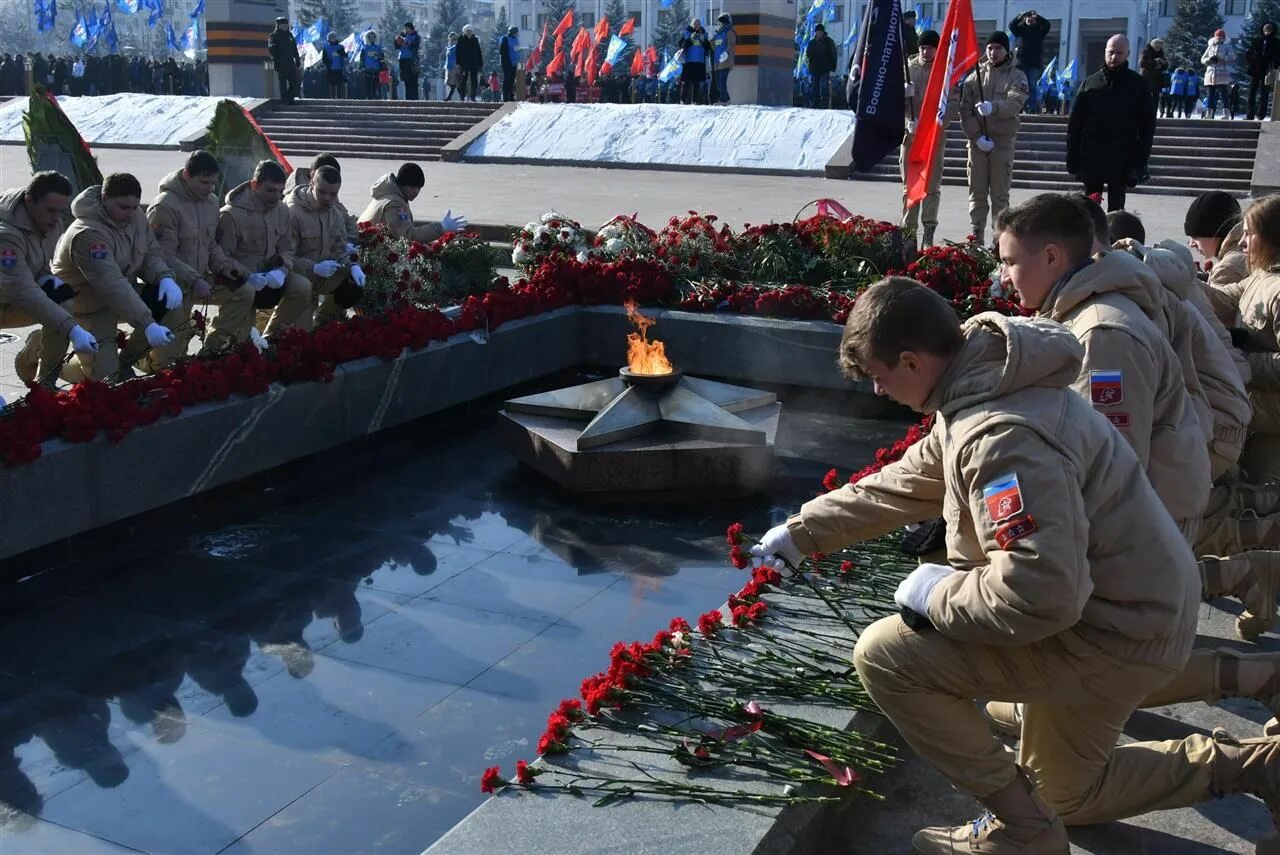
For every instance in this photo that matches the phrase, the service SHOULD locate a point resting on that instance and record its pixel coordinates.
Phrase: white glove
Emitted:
(909, 90)
(201, 290)
(81, 341)
(170, 294)
(914, 591)
(450, 223)
(911, 127)
(777, 547)
(258, 281)
(275, 278)
(325, 269)
(158, 336)
(257, 339)
(51, 281)
(357, 275)
(985, 143)
(985, 108)
(350, 248)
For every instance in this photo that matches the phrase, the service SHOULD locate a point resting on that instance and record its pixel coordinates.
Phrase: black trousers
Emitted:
(469, 85)
(409, 74)
(1116, 188)
(288, 79)
(692, 76)
(508, 84)
(1258, 86)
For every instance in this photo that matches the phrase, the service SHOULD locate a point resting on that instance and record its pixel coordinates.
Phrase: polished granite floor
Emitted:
(325, 659)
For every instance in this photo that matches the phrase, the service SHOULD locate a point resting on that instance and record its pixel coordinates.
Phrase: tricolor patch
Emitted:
(1015, 529)
(97, 251)
(1003, 497)
(1106, 387)
(403, 214)
(8, 258)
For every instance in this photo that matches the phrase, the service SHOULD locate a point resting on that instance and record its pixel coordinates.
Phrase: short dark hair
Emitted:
(408, 25)
(894, 315)
(121, 184)
(202, 163)
(1123, 224)
(324, 158)
(410, 175)
(328, 174)
(269, 170)
(1051, 218)
(44, 183)
(1097, 216)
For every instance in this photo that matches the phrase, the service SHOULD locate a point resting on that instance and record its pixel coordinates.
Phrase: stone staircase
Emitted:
(390, 130)
(1188, 157)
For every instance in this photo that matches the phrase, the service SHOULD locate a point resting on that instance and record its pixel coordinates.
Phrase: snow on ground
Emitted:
(129, 118)
(742, 137)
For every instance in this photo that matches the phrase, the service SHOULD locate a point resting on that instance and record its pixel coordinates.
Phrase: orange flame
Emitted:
(644, 356)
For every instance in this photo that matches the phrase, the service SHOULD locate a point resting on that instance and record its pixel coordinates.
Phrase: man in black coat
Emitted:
(284, 54)
(470, 63)
(1029, 31)
(821, 54)
(1111, 128)
(1263, 58)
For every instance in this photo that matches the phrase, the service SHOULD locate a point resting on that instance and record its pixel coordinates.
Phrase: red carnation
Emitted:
(524, 775)
(831, 480)
(491, 780)
(740, 558)
(710, 623)
(734, 534)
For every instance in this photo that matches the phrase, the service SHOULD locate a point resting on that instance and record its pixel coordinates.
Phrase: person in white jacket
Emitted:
(1217, 60)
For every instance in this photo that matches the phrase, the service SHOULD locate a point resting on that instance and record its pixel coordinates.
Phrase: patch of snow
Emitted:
(129, 118)
(744, 137)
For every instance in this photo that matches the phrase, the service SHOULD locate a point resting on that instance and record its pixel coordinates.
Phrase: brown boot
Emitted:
(1005, 718)
(1250, 675)
(926, 239)
(27, 363)
(1018, 822)
(1251, 577)
(1247, 766)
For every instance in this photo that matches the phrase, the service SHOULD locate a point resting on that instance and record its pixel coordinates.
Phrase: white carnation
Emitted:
(520, 255)
(613, 246)
(583, 256)
(540, 232)
(566, 234)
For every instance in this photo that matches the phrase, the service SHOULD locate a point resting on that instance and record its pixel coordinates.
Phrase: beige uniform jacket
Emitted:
(103, 260)
(1056, 531)
(389, 208)
(301, 177)
(1230, 269)
(1006, 88)
(25, 255)
(318, 233)
(1114, 306)
(918, 72)
(252, 235)
(187, 230)
(1260, 312)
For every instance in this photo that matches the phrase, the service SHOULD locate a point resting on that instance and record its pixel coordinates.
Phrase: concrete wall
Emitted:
(218, 443)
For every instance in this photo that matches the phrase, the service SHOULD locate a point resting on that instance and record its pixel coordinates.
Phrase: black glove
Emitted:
(151, 296)
(926, 538)
(1239, 337)
(61, 294)
(914, 619)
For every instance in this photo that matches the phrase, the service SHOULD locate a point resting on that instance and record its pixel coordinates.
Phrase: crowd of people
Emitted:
(275, 253)
(102, 75)
(1183, 92)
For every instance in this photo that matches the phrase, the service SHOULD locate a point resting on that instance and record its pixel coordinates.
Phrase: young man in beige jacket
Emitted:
(320, 241)
(1069, 587)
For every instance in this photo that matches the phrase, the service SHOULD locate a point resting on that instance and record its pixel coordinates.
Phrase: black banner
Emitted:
(882, 102)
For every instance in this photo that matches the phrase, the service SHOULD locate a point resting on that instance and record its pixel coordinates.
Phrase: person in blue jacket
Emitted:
(1177, 93)
(408, 47)
(451, 66)
(697, 50)
(509, 53)
(335, 66)
(724, 47)
(371, 58)
(1192, 95)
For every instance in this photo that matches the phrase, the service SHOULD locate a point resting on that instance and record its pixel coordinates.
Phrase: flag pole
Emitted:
(906, 65)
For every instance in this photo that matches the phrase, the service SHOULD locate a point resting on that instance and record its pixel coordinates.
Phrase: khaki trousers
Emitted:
(1076, 704)
(287, 314)
(320, 313)
(102, 323)
(990, 178)
(230, 327)
(933, 197)
(52, 344)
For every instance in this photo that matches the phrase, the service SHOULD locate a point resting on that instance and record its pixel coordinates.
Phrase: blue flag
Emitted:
(665, 4)
(317, 32)
(80, 32)
(1050, 75)
(198, 10)
(171, 40)
(190, 42)
(109, 29)
(882, 103)
(129, 7)
(157, 12)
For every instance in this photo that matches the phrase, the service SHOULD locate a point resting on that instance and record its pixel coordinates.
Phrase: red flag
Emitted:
(961, 43)
(580, 43)
(628, 28)
(535, 55)
(556, 65)
(559, 42)
(637, 64)
(651, 54)
(602, 30)
(565, 23)
(591, 66)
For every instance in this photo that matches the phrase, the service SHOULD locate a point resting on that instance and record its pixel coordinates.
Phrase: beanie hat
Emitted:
(930, 38)
(999, 37)
(1212, 214)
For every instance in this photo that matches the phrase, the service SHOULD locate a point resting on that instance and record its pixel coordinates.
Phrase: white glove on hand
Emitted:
(275, 278)
(777, 547)
(985, 143)
(911, 127)
(450, 223)
(81, 341)
(170, 294)
(50, 281)
(258, 281)
(913, 592)
(158, 336)
(257, 339)
(909, 90)
(350, 248)
(325, 269)
(985, 108)
(357, 275)
(201, 290)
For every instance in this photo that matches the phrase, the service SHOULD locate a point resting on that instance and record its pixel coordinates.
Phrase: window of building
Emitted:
(588, 19)
(1237, 7)
(638, 17)
(524, 22)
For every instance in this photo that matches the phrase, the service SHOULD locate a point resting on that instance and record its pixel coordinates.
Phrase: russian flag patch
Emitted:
(8, 258)
(1003, 497)
(97, 251)
(1106, 387)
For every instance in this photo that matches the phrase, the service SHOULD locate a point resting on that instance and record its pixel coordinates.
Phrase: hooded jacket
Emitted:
(1260, 313)
(724, 47)
(252, 235)
(1114, 305)
(1226, 277)
(102, 259)
(301, 177)
(25, 255)
(1217, 60)
(1055, 530)
(1005, 86)
(389, 208)
(1203, 345)
(318, 233)
(186, 227)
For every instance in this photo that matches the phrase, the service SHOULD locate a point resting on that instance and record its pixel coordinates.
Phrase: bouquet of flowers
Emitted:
(625, 237)
(402, 271)
(693, 248)
(554, 235)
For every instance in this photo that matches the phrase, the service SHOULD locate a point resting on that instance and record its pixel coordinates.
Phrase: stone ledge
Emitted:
(453, 151)
(76, 487)
(1266, 165)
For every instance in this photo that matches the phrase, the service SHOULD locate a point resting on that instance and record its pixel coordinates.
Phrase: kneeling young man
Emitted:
(1069, 588)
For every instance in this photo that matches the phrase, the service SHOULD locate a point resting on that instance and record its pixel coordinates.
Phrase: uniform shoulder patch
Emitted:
(1120, 420)
(98, 251)
(402, 214)
(1003, 497)
(8, 258)
(1106, 388)
(1015, 529)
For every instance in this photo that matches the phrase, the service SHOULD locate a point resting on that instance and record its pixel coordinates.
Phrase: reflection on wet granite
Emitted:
(325, 662)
